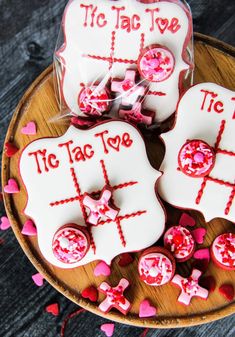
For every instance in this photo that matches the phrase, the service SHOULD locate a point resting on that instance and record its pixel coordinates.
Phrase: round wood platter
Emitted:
(215, 62)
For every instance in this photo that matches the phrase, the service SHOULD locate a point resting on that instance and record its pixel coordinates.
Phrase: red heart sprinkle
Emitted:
(208, 282)
(125, 259)
(91, 293)
(10, 149)
(227, 290)
(1, 196)
(199, 235)
(187, 220)
(53, 309)
(201, 265)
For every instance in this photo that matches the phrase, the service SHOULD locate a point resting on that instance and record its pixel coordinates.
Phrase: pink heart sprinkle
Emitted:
(108, 329)
(5, 223)
(146, 310)
(29, 229)
(186, 220)
(199, 234)
(29, 129)
(202, 254)
(12, 187)
(38, 279)
(102, 269)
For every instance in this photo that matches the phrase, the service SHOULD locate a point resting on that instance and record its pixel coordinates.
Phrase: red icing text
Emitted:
(114, 143)
(45, 161)
(72, 153)
(94, 17)
(78, 153)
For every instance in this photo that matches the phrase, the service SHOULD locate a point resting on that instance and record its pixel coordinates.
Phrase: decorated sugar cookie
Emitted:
(109, 44)
(91, 194)
(199, 164)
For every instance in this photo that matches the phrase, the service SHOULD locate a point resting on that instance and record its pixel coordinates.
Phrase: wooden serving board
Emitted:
(215, 62)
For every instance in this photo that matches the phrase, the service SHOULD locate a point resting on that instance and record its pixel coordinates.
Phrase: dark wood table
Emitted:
(28, 33)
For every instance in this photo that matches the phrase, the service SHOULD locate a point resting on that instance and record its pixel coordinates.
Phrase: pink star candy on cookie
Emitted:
(190, 287)
(129, 90)
(100, 208)
(115, 297)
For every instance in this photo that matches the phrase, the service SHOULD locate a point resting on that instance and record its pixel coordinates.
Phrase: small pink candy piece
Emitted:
(146, 309)
(38, 279)
(190, 287)
(115, 297)
(129, 90)
(108, 329)
(202, 254)
(100, 208)
(187, 221)
(199, 235)
(12, 187)
(29, 129)
(5, 223)
(135, 115)
(29, 229)
(102, 269)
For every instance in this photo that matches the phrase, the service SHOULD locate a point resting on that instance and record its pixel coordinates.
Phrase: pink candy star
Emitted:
(135, 115)
(128, 88)
(190, 287)
(115, 297)
(100, 208)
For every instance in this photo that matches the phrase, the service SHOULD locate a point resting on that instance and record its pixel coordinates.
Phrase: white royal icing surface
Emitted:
(202, 117)
(91, 39)
(130, 164)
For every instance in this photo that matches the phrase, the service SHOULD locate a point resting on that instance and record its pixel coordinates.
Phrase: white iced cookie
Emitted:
(92, 194)
(199, 165)
(103, 39)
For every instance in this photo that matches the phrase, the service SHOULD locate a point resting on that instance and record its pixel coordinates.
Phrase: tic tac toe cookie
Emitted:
(122, 40)
(199, 164)
(101, 181)
(156, 266)
(179, 241)
(190, 287)
(223, 251)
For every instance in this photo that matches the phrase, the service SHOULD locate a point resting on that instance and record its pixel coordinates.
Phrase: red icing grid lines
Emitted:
(80, 195)
(111, 59)
(221, 182)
